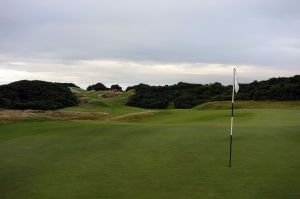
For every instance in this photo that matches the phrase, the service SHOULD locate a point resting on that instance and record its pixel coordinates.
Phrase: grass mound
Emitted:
(133, 116)
(219, 105)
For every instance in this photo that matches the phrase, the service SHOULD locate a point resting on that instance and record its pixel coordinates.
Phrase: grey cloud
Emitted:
(249, 32)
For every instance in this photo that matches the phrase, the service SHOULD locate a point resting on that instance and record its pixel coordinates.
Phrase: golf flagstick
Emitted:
(235, 88)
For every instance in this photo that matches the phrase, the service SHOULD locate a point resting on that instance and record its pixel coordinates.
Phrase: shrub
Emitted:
(116, 87)
(97, 87)
(185, 95)
(36, 95)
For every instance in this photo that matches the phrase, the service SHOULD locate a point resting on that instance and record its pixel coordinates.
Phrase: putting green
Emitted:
(170, 154)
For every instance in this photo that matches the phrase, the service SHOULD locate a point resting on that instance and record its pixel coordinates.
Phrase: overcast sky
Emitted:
(150, 41)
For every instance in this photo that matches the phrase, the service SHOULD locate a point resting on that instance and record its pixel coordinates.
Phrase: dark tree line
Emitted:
(36, 95)
(186, 95)
(281, 88)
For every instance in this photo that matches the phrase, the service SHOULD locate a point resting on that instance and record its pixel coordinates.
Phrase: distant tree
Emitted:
(97, 87)
(137, 86)
(116, 87)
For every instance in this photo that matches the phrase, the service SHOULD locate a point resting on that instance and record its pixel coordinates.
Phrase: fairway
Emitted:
(170, 154)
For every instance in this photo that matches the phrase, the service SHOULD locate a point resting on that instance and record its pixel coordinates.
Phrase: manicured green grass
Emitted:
(171, 154)
(168, 154)
(250, 105)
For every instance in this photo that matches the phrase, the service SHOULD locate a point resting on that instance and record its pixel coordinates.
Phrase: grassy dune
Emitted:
(97, 103)
(162, 154)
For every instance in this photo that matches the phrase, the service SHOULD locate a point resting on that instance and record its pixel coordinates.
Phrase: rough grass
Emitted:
(20, 115)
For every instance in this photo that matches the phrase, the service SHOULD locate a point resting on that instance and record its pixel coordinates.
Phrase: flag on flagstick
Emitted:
(235, 89)
(236, 83)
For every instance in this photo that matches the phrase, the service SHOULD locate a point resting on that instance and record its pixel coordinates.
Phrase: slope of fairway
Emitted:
(257, 117)
(249, 105)
(172, 154)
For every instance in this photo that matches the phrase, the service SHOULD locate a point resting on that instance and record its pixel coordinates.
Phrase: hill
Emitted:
(36, 95)
(117, 110)
(110, 102)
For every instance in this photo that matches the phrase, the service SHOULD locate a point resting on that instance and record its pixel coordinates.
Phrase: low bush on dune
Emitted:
(36, 95)
(186, 95)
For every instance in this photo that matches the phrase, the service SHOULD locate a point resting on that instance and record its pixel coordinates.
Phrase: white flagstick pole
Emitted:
(232, 102)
